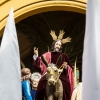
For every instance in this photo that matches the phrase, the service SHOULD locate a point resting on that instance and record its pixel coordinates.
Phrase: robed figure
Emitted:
(66, 77)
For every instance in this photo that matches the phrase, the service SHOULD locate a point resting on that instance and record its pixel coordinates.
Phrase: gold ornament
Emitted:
(53, 35)
(61, 33)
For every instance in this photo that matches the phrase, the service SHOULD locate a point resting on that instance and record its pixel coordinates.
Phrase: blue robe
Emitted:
(26, 90)
(33, 93)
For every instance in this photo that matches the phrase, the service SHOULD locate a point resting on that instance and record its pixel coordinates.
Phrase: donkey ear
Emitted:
(44, 61)
(58, 63)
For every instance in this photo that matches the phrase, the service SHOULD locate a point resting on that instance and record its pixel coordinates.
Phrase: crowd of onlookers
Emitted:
(29, 83)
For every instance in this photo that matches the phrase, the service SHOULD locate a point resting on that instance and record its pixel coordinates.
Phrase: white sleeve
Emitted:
(35, 57)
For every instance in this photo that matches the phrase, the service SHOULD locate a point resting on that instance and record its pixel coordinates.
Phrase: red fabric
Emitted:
(71, 78)
(66, 77)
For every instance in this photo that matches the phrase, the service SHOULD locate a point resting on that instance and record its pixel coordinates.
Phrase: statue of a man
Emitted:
(66, 77)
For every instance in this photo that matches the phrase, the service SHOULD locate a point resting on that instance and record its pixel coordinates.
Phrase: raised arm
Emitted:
(35, 51)
(38, 65)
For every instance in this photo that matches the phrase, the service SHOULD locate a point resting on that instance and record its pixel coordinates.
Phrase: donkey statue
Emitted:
(54, 87)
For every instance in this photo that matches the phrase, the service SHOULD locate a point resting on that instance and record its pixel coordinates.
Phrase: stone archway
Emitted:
(30, 7)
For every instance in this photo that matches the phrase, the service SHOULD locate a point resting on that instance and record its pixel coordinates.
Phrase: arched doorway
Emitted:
(71, 18)
(34, 31)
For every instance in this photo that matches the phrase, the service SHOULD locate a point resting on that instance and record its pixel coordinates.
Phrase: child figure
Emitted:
(26, 89)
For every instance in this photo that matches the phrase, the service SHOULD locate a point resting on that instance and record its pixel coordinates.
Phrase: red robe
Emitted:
(66, 77)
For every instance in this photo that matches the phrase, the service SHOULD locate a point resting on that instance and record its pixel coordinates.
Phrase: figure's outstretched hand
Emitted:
(64, 65)
(36, 51)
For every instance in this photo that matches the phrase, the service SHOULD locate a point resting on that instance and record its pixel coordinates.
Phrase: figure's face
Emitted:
(35, 82)
(27, 77)
(57, 46)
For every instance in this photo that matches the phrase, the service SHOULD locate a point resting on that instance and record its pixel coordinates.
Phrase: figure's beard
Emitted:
(56, 49)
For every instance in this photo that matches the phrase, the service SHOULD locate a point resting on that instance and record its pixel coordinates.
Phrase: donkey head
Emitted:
(53, 74)
(53, 71)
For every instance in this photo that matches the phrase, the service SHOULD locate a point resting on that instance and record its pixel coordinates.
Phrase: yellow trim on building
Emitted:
(27, 8)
